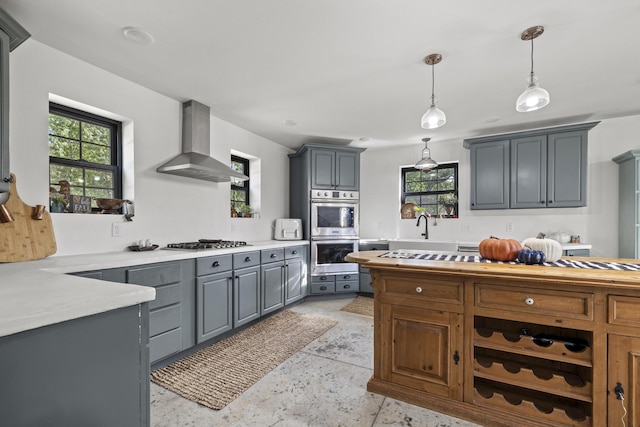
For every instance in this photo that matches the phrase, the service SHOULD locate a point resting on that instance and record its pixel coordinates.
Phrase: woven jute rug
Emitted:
(214, 376)
(360, 305)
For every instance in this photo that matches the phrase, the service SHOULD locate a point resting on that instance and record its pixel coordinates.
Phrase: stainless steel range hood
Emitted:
(195, 161)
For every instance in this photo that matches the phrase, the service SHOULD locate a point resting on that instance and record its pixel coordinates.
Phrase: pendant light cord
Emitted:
(531, 56)
(433, 83)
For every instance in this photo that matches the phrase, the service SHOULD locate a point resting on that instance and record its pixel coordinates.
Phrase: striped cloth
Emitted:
(475, 258)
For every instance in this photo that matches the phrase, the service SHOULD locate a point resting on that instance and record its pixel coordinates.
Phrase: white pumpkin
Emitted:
(551, 248)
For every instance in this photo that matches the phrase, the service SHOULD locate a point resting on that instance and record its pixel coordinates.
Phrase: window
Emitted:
(85, 151)
(240, 189)
(436, 190)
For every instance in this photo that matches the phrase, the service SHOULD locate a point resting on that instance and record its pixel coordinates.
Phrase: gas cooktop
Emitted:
(207, 244)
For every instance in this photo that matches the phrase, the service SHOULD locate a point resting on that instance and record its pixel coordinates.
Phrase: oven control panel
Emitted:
(334, 195)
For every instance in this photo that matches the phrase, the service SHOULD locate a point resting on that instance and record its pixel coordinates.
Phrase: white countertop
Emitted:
(39, 293)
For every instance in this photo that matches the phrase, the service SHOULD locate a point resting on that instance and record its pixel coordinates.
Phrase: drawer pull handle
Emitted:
(323, 288)
(419, 289)
(215, 264)
(347, 286)
(294, 252)
(347, 277)
(529, 301)
(323, 278)
(247, 259)
(273, 255)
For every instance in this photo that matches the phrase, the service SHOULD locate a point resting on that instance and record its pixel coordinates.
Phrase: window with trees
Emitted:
(240, 189)
(84, 154)
(435, 191)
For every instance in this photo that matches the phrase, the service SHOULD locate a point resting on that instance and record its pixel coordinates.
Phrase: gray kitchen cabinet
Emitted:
(533, 169)
(12, 34)
(629, 204)
(246, 287)
(325, 284)
(214, 296)
(273, 280)
(90, 371)
(364, 277)
(295, 273)
(172, 313)
(490, 175)
(576, 252)
(347, 282)
(334, 169)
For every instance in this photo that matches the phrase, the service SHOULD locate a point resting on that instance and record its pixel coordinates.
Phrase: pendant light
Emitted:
(434, 117)
(534, 97)
(426, 163)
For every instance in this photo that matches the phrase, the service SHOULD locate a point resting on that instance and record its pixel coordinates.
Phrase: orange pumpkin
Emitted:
(499, 249)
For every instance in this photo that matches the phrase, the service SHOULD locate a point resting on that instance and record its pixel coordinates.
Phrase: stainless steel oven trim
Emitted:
(337, 268)
(352, 232)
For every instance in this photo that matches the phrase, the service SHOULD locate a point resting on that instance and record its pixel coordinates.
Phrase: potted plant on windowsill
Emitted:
(57, 202)
(449, 201)
(246, 210)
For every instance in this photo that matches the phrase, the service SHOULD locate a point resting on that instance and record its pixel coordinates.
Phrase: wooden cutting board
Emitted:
(25, 238)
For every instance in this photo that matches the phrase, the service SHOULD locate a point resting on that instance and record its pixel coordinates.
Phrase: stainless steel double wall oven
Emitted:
(334, 231)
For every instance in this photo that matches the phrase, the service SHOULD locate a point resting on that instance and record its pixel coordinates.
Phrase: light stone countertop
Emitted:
(38, 293)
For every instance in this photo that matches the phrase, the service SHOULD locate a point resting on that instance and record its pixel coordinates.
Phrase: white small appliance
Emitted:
(288, 229)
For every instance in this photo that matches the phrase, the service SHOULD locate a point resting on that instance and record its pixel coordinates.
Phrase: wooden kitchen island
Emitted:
(508, 344)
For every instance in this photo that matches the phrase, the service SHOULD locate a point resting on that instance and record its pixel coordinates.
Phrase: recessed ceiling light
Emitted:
(289, 123)
(492, 120)
(138, 35)
(364, 139)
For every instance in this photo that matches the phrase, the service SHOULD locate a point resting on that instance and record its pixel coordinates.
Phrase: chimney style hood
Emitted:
(195, 161)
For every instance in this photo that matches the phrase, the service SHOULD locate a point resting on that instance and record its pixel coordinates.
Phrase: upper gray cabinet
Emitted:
(534, 169)
(629, 204)
(12, 35)
(335, 169)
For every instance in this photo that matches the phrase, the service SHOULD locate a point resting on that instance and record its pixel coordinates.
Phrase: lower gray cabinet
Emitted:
(295, 274)
(365, 281)
(272, 287)
(325, 284)
(172, 313)
(347, 283)
(214, 296)
(246, 289)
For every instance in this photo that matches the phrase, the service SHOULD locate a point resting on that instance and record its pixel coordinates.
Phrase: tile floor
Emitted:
(324, 384)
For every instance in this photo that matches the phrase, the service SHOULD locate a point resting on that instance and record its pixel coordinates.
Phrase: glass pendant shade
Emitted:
(533, 98)
(433, 118)
(426, 162)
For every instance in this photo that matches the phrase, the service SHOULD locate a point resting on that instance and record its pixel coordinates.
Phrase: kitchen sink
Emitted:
(433, 245)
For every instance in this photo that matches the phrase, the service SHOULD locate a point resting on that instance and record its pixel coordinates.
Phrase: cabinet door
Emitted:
(421, 349)
(490, 175)
(528, 172)
(323, 169)
(294, 277)
(4, 112)
(215, 303)
(272, 287)
(347, 171)
(246, 289)
(624, 368)
(567, 169)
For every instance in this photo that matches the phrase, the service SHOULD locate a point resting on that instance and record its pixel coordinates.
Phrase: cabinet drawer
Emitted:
(164, 319)
(417, 288)
(347, 286)
(323, 279)
(624, 310)
(293, 252)
(214, 264)
(155, 275)
(166, 295)
(272, 255)
(323, 288)
(345, 277)
(246, 259)
(574, 305)
(165, 344)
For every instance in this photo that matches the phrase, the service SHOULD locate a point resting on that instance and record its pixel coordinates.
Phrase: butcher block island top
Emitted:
(509, 344)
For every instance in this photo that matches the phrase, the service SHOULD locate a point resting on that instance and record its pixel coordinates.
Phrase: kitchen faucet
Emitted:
(426, 224)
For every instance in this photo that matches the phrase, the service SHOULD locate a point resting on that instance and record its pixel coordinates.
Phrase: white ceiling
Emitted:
(353, 70)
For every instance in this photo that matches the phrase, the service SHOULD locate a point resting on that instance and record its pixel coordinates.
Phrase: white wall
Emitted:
(596, 223)
(168, 208)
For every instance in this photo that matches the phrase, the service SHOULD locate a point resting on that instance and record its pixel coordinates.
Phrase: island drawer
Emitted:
(165, 344)
(166, 295)
(624, 310)
(272, 255)
(164, 319)
(525, 300)
(155, 275)
(246, 259)
(214, 264)
(419, 288)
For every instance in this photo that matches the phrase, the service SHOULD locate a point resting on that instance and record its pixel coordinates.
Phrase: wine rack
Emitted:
(535, 370)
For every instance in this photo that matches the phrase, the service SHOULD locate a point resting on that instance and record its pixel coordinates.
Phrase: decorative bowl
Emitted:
(109, 204)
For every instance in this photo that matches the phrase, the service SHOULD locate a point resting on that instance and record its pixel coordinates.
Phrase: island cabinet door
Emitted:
(624, 381)
(421, 349)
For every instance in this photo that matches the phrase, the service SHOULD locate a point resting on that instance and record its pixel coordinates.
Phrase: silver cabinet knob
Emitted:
(418, 289)
(529, 301)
